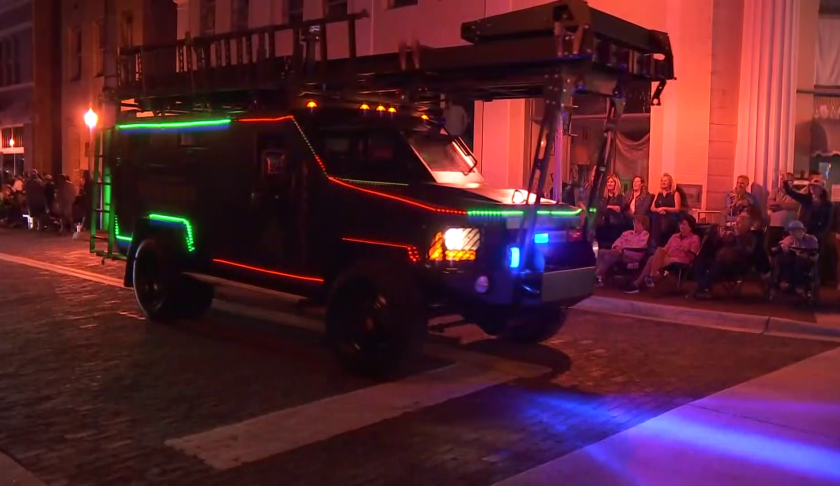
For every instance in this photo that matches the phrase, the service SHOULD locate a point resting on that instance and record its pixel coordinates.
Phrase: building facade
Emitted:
(84, 49)
(745, 83)
(16, 87)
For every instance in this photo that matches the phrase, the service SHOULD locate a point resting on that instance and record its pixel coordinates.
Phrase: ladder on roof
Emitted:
(103, 217)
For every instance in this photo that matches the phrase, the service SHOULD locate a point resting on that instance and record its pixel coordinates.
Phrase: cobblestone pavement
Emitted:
(90, 393)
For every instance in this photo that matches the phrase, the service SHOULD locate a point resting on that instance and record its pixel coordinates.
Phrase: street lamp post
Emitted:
(14, 156)
(91, 120)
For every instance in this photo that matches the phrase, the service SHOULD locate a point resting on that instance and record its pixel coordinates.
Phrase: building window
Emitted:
(207, 13)
(75, 57)
(402, 3)
(6, 66)
(294, 11)
(12, 137)
(335, 8)
(126, 29)
(240, 10)
(99, 53)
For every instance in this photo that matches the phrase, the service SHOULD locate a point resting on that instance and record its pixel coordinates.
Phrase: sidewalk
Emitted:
(780, 429)
(748, 312)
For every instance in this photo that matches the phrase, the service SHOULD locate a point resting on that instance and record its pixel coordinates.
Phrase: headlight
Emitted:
(455, 244)
(454, 238)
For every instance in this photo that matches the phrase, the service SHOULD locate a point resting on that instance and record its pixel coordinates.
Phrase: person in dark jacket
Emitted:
(733, 256)
(637, 202)
(815, 212)
(610, 220)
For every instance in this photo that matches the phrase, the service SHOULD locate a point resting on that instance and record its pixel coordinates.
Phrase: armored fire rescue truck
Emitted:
(332, 179)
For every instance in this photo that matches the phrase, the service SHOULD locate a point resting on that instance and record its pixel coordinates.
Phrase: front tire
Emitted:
(161, 291)
(376, 321)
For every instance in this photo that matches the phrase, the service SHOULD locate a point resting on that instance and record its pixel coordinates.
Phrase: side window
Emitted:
(362, 155)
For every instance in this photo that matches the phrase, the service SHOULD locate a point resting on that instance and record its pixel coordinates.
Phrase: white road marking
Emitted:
(13, 474)
(285, 430)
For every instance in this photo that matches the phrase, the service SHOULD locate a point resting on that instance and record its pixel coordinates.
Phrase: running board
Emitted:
(305, 306)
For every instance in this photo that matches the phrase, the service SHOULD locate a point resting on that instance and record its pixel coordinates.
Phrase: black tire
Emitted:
(177, 296)
(376, 320)
(155, 281)
(195, 297)
(531, 327)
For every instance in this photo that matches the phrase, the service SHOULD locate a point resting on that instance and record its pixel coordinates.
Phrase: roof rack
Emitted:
(553, 51)
(511, 56)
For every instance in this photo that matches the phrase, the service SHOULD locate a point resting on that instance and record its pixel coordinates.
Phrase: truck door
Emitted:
(278, 203)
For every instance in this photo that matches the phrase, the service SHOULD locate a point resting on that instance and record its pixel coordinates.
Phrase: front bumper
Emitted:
(507, 288)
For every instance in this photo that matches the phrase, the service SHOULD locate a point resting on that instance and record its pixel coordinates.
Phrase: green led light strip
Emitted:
(117, 231)
(175, 124)
(189, 238)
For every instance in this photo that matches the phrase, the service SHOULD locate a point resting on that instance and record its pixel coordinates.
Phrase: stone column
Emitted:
(183, 13)
(766, 110)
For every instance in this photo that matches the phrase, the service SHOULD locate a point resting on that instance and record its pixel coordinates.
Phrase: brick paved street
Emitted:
(91, 394)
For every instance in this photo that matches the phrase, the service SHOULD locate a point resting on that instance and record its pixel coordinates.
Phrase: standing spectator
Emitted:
(665, 210)
(35, 199)
(781, 210)
(49, 194)
(66, 197)
(638, 201)
(816, 207)
(610, 221)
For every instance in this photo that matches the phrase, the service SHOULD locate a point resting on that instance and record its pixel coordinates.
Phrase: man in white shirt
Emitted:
(630, 247)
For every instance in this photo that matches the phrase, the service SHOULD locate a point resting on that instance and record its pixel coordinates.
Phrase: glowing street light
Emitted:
(91, 118)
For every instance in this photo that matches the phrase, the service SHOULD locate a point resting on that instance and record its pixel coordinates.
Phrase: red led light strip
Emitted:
(269, 272)
(265, 120)
(403, 200)
(396, 198)
(413, 253)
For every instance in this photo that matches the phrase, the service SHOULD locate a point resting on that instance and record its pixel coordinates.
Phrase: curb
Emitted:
(789, 327)
(754, 324)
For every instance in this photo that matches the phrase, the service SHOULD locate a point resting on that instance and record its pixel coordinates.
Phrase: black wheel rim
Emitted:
(148, 281)
(364, 314)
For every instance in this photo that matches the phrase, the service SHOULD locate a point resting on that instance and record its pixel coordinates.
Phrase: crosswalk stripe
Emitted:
(285, 430)
(13, 474)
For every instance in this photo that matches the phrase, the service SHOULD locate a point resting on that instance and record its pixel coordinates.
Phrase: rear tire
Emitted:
(376, 320)
(531, 327)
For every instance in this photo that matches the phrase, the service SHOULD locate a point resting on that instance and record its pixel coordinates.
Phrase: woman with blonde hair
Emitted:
(610, 223)
(665, 209)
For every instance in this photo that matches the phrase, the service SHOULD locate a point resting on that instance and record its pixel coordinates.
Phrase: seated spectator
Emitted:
(630, 247)
(682, 248)
(740, 200)
(733, 256)
(793, 261)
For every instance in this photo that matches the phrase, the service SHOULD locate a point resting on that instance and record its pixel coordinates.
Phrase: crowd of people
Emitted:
(43, 202)
(654, 233)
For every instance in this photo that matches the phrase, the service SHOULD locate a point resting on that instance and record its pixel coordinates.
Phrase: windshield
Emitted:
(441, 152)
